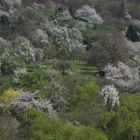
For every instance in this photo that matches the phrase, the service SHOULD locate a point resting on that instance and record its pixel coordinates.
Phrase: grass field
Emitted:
(80, 73)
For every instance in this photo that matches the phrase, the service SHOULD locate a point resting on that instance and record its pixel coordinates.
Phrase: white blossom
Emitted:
(88, 14)
(75, 38)
(134, 49)
(23, 49)
(136, 23)
(124, 77)
(111, 96)
(18, 72)
(40, 37)
(59, 37)
(27, 100)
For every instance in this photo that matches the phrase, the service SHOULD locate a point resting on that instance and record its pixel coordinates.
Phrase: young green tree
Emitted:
(83, 103)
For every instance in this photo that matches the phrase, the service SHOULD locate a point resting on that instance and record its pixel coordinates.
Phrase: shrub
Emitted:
(9, 95)
(133, 31)
(32, 81)
(7, 67)
(85, 93)
(4, 17)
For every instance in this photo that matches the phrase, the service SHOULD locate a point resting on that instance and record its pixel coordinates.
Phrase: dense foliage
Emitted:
(69, 70)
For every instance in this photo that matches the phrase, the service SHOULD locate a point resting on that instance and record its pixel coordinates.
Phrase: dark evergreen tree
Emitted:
(132, 33)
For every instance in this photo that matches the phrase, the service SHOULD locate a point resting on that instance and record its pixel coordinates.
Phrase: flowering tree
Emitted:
(123, 76)
(86, 13)
(111, 96)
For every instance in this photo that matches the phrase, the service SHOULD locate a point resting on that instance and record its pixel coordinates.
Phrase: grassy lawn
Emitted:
(78, 67)
(82, 73)
(94, 33)
(82, 67)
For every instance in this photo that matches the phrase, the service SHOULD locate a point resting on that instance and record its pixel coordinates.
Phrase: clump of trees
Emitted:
(56, 128)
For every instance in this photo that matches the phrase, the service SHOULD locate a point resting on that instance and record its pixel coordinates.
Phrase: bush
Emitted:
(9, 95)
(85, 93)
(32, 81)
(133, 31)
(7, 67)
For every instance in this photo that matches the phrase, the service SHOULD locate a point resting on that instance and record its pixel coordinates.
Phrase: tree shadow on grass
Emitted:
(92, 73)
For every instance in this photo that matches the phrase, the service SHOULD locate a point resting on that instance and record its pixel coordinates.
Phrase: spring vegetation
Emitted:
(69, 69)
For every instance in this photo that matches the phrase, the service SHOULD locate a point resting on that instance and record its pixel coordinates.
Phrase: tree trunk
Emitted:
(124, 6)
(125, 12)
